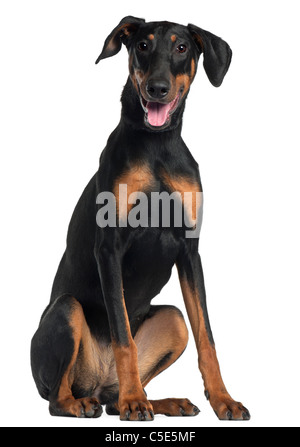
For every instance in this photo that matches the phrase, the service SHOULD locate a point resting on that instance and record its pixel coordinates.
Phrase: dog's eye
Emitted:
(181, 49)
(142, 46)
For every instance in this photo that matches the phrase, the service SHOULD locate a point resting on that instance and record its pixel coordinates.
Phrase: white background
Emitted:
(57, 111)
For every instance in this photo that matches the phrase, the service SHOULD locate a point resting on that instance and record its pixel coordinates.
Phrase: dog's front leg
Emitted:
(133, 404)
(192, 285)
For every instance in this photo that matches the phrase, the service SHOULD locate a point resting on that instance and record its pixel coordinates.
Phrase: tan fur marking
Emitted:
(173, 38)
(151, 36)
(138, 178)
(207, 357)
(185, 185)
(183, 80)
(174, 407)
(208, 362)
(162, 333)
(126, 357)
(127, 368)
(193, 69)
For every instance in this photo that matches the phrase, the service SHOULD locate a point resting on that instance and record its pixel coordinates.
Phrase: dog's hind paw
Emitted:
(86, 407)
(175, 407)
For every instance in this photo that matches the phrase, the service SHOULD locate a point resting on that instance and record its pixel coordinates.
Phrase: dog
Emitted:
(100, 340)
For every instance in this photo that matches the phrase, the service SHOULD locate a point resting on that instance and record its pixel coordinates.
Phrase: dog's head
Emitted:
(163, 59)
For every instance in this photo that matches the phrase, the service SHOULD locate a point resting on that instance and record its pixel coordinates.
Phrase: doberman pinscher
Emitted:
(100, 341)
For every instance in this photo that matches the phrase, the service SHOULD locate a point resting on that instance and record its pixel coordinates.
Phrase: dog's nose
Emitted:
(158, 88)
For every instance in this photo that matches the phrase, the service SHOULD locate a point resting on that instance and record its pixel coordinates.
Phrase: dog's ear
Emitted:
(216, 52)
(121, 34)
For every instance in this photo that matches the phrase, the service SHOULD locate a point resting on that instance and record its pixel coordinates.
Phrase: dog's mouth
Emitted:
(158, 115)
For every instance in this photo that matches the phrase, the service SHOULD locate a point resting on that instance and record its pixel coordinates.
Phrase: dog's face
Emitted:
(163, 60)
(162, 66)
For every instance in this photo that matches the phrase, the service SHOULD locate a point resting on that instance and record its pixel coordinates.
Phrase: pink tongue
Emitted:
(158, 113)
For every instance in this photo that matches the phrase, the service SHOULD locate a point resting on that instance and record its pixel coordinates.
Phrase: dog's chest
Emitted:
(134, 184)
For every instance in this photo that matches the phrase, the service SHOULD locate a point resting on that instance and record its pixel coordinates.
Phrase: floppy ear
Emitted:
(127, 27)
(216, 52)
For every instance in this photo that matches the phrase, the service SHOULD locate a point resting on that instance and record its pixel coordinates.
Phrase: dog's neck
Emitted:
(133, 114)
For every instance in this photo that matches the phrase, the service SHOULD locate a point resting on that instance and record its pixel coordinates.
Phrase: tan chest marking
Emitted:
(137, 179)
(191, 194)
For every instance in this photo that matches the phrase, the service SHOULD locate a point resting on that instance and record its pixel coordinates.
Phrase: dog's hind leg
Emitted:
(57, 349)
(160, 341)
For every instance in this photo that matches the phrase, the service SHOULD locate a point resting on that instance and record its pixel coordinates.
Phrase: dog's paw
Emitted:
(86, 407)
(136, 410)
(228, 409)
(175, 407)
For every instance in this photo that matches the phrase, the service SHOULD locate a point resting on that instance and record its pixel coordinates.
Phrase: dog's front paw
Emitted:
(226, 408)
(136, 410)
